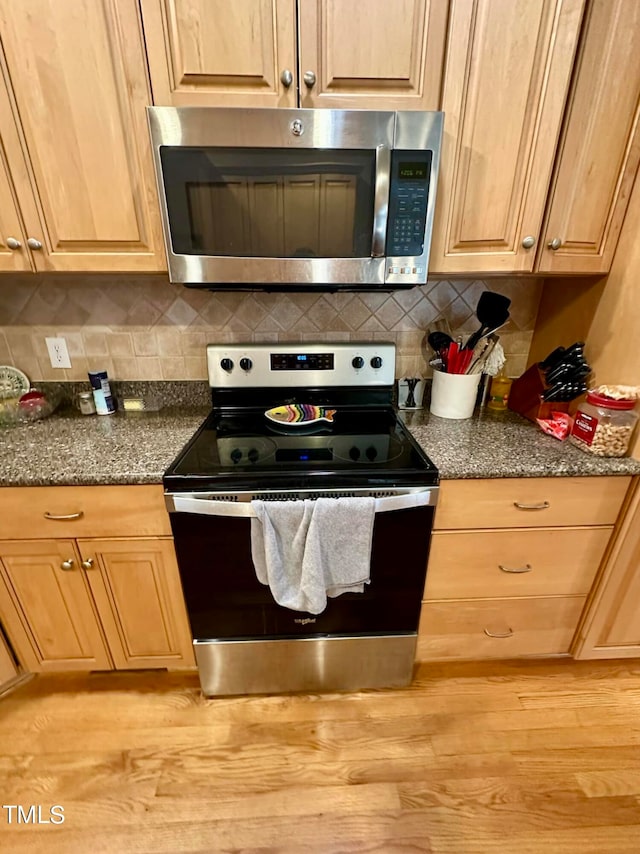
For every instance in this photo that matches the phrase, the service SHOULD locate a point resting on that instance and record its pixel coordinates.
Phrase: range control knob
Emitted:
(376, 362)
(357, 362)
(253, 455)
(371, 453)
(246, 364)
(226, 365)
(354, 452)
(236, 455)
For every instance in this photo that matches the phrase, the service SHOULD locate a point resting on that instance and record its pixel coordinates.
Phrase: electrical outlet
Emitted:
(58, 353)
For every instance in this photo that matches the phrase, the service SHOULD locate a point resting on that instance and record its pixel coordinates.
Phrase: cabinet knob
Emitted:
(528, 242)
(12, 243)
(67, 565)
(554, 244)
(309, 78)
(32, 243)
(88, 563)
(286, 78)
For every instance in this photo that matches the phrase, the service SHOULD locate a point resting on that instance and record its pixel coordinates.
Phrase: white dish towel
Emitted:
(308, 550)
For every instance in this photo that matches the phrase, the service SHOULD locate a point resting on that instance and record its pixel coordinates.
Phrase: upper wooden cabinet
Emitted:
(378, 54)
(221, 53)
(374, 54)
(14, 253)
(600, 148)
(506, 80)
(73, 126)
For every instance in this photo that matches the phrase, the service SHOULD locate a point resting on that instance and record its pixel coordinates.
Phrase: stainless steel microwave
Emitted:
(296, 199)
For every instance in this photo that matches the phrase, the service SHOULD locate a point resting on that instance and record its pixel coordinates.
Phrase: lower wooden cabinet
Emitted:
(9, 672)
(498, 628)
(611, 624)
(94, 604)
(512, 563)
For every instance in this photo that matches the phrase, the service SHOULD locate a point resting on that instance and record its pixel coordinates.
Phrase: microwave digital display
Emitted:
(412, 171)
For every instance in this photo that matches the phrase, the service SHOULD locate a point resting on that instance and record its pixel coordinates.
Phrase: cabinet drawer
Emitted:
(105, 511)
(535, 626)
(560, 561)
(562, 501)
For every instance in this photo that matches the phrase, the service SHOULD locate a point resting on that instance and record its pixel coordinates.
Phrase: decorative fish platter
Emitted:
(299, 414)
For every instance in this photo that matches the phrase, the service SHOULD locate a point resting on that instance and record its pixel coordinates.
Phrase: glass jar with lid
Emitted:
(604, 425)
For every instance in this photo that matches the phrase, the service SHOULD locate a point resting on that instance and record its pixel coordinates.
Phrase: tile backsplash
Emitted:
(145, 328)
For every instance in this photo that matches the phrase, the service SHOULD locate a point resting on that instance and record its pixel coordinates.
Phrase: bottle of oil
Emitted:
(499, 391)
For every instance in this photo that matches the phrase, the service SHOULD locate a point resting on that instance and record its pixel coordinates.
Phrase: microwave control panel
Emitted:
(408, 194)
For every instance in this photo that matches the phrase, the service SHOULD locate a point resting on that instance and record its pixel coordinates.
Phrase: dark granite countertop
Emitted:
(502, 444)
(72, 449)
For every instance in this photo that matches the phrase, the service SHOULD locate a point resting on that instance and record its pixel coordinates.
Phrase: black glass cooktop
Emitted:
(242, 449)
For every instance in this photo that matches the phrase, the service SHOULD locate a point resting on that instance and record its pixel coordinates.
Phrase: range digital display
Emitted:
(302, 361)
(412, 171)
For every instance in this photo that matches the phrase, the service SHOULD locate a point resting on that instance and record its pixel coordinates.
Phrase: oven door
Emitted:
(246, 643)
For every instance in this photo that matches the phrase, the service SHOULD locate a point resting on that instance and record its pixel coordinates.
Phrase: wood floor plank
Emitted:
(516, 757)
(564, 737)
(610, 782)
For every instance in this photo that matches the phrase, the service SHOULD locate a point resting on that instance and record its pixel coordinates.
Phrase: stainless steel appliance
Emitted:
(296, 199)
(244, 641)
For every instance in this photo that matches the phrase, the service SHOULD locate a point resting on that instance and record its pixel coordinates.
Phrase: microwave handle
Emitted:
(381, 201)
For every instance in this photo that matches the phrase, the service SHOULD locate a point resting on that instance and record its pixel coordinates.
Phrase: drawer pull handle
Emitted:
(506, 634)
(543, 505)
(526, 568)
(64, 518)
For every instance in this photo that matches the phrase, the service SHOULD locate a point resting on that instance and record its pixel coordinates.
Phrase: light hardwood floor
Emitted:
(525, 757)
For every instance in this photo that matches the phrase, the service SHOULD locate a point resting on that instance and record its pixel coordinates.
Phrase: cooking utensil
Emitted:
(481, 353)
(439, 341)
(492, 311)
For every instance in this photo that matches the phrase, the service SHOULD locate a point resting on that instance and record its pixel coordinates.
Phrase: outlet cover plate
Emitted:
(58, 353)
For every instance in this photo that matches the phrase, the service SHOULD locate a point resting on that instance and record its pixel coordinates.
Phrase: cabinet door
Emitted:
(46, 607)
(506, 80)
(77, 101)
(601, 144)
(17, 258)
(137, 590)
(8, 668)
(373, 54)
(220, 53)
(611, 626)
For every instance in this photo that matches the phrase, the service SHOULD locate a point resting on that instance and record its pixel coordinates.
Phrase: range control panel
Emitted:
(408, 195)
(301, 364)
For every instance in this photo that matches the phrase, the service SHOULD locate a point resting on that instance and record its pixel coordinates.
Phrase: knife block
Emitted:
(525, 396)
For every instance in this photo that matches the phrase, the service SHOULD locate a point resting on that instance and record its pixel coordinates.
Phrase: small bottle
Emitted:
(105, 403)
(499, 391)
(86, 403)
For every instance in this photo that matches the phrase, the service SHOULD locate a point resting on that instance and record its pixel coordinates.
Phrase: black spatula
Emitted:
(492, 311)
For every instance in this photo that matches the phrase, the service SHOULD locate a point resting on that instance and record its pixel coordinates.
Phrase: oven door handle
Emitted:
(381, 201)
(211, 507)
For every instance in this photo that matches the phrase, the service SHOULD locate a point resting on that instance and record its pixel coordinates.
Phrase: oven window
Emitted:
(269, 203)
